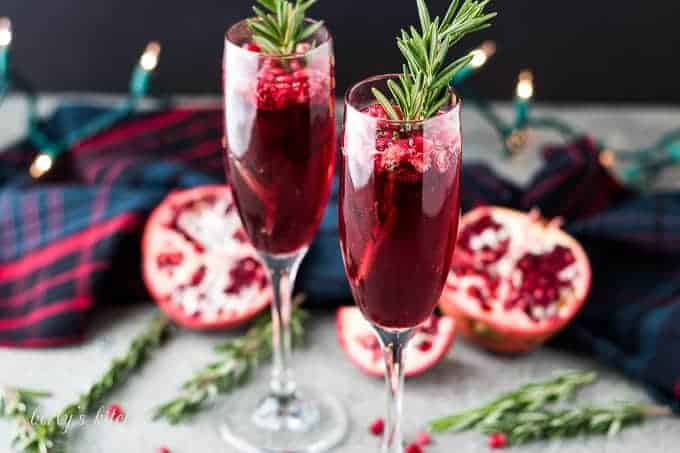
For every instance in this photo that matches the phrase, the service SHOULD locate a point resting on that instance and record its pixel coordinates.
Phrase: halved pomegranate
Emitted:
(357, 338)
(198, 264)
(517, 279)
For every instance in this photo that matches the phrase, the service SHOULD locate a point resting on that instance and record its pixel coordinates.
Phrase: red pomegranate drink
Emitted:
(280, 119)
(279, 105)
(400, 188)
(399, 210)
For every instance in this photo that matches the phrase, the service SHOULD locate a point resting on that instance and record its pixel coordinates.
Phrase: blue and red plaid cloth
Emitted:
(72, 241)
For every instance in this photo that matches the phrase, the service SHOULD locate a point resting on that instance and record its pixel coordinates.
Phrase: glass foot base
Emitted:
(308, 422)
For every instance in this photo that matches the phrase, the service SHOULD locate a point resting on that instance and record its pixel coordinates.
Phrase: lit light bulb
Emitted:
(149, 59)
(41, 165)
(481, 55)
(5, 32)
(607, 158)
(525, 85)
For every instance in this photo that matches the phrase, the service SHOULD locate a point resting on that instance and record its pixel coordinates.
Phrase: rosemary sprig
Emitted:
(537, 425)
(20, 405)
(423, 85)
(278, 31)
(241, 357)
(528, 398)
(47, 436)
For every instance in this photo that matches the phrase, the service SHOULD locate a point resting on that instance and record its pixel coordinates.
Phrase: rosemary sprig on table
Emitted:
(278, 31)
(534, 425)
(527, 398)
(241, 357)
(423, 85)
(47, 436)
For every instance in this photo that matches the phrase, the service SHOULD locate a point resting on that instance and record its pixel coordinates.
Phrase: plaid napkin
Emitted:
(71, 241)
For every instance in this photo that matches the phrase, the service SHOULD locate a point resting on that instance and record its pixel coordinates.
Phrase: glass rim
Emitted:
(455, 106)
(324, 44)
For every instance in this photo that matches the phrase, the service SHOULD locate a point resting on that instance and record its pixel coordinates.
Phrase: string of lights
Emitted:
(51, 149)
(638, 167)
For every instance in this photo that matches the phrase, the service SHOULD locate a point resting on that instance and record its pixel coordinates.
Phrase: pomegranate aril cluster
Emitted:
(542, 281)
(486, 239)
(398, 147)
(283, 84)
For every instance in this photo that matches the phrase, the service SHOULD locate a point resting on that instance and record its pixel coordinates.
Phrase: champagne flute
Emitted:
(279, 160)
(399, 208)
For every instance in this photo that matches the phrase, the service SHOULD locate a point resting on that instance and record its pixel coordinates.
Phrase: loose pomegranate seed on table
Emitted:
(498, 440)
(423, 438)
(377, 427)
(115, 413)
(163, 450)
(414, 448)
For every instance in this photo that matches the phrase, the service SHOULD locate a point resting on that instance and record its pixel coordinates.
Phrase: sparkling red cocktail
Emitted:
(399, 208)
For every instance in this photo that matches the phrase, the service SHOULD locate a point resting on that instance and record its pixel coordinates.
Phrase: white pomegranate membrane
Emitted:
(198, 264)
(516, 279)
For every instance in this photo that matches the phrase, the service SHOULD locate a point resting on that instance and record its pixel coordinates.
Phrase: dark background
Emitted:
(582, 50)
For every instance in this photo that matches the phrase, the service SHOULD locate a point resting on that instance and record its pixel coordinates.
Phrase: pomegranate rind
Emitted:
(350, 325)
(158, 237)
(513, 331)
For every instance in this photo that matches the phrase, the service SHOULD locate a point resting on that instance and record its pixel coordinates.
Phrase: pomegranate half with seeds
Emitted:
(429, 344)
(517, 279)
(198, 264)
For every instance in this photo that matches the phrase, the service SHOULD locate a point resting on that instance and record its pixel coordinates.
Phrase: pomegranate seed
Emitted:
(414, 448)
(377, 427)
(243, 274)
(425, 345)
(163, 450)
(115, 413)
(423, 438)
(498, 440)
(169, 259)
(369, 341)
(251, 46)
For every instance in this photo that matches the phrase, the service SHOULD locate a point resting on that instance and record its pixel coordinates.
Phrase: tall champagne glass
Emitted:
(279, 160)
(399, 210)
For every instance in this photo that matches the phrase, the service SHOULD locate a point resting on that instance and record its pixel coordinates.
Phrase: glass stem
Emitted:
(282, 271)
(393, 348)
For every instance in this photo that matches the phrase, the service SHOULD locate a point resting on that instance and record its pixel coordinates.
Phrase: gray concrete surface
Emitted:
(465, 377)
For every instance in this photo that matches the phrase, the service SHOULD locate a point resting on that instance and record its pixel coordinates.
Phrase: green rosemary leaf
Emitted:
(310, 30)
(446, 74)
(529, 397)
(438, 104)
(386, 104)
(279, 30)
(265, 44)
(269, 4)
(425, 51)
(424, 14)
(397, 92)
(264, 32)
(450, 12)
(524, 427)
(241, 357)
(48, 436)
